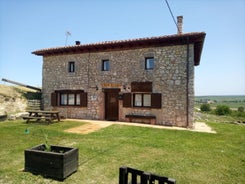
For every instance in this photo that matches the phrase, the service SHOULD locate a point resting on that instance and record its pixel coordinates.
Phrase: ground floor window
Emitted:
(142, 100)
(69, 98)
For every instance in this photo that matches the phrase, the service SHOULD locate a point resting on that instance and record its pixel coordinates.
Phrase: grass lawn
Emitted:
(189, 157)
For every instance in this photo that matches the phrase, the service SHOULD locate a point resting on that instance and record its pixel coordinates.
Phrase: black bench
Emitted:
(150, 119)
(134, 176)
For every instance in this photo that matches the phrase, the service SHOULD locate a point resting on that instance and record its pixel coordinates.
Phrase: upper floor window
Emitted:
(149, 63)
(71, 67)
(105, 65)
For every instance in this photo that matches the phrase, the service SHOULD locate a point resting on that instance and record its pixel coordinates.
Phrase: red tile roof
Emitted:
(196, 38)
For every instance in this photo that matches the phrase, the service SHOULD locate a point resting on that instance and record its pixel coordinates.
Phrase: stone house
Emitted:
(147, 80)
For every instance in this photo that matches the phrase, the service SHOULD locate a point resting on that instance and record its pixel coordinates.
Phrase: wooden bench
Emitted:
(150, 119)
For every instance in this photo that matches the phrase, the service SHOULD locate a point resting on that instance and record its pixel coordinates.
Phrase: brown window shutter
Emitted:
(156, 100)
(53, 99)
(127, 100)
(84, 99)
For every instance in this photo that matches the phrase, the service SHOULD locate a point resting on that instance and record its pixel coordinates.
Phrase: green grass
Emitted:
(189, 157)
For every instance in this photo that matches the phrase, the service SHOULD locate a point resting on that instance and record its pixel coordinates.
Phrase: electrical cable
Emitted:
(172, 14)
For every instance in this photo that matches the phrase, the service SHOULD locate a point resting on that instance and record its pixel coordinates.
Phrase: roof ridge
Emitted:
(120, 41)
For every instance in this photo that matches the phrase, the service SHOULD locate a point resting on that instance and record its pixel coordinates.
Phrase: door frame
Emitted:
(114, 91)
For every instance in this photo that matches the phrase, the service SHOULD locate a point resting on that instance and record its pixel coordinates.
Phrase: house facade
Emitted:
(146, 80)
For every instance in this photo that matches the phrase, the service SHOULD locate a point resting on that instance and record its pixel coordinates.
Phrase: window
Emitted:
(63, 99)
(105, 65)
(147, 100)
(149, 63)
(142, 100)
(69, 98)
(78, 97)
(71, 67)
(138, 100)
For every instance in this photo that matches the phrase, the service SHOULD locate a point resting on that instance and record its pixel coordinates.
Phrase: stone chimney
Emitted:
(180, 24)
(77, 42)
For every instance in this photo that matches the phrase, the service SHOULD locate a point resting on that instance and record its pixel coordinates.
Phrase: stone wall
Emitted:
(169, 77)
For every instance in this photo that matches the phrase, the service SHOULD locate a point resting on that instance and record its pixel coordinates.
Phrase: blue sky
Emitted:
(29, 25)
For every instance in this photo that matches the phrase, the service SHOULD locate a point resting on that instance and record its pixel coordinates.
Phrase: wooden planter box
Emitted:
(58, 163)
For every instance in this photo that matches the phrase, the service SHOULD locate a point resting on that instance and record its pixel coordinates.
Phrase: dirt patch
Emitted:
(202, 127)
(88, 128)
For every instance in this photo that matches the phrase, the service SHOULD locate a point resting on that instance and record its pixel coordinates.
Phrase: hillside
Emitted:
(233, 101)
(13, 99)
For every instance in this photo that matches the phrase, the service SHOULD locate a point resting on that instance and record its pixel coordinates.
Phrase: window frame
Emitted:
(105, 65)
(149, 61)
(68, 100)
(60, 98)
(142, 100)
(71, 66)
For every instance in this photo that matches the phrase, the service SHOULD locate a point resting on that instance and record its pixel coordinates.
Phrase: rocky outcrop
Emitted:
(12, 101)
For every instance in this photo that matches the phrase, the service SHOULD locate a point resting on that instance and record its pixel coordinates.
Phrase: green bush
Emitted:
(240, 109)
(205, 108)
(222, 110)
(238, 114)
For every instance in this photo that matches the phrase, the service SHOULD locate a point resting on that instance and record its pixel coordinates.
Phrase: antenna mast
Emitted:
(68, 33)
(172, 15)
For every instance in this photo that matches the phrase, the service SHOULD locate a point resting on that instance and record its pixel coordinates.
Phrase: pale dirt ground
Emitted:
(93, 125)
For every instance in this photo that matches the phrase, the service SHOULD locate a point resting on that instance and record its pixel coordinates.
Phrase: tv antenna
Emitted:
(68, 33)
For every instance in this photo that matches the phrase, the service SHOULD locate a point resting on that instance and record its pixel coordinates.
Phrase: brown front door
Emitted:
(111, 104)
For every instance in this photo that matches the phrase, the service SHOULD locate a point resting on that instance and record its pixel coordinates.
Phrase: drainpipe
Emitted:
(187, 82)
(88, 71)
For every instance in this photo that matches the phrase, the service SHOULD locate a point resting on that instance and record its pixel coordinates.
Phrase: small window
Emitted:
(71, 67)
(105, 65)
(149, 63)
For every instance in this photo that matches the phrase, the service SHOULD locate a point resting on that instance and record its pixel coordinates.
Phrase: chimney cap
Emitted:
(180, 17)
(78, 43)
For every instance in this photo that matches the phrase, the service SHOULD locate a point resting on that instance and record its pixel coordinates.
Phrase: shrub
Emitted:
(240, 109)
(222, 110)
(205, 108)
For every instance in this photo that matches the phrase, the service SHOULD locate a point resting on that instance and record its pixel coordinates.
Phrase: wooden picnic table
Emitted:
(45, 115)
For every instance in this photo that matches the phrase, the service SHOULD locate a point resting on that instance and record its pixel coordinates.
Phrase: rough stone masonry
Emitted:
(145, 80)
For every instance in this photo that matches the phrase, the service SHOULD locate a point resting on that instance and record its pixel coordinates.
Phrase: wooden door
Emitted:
(111, 104)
